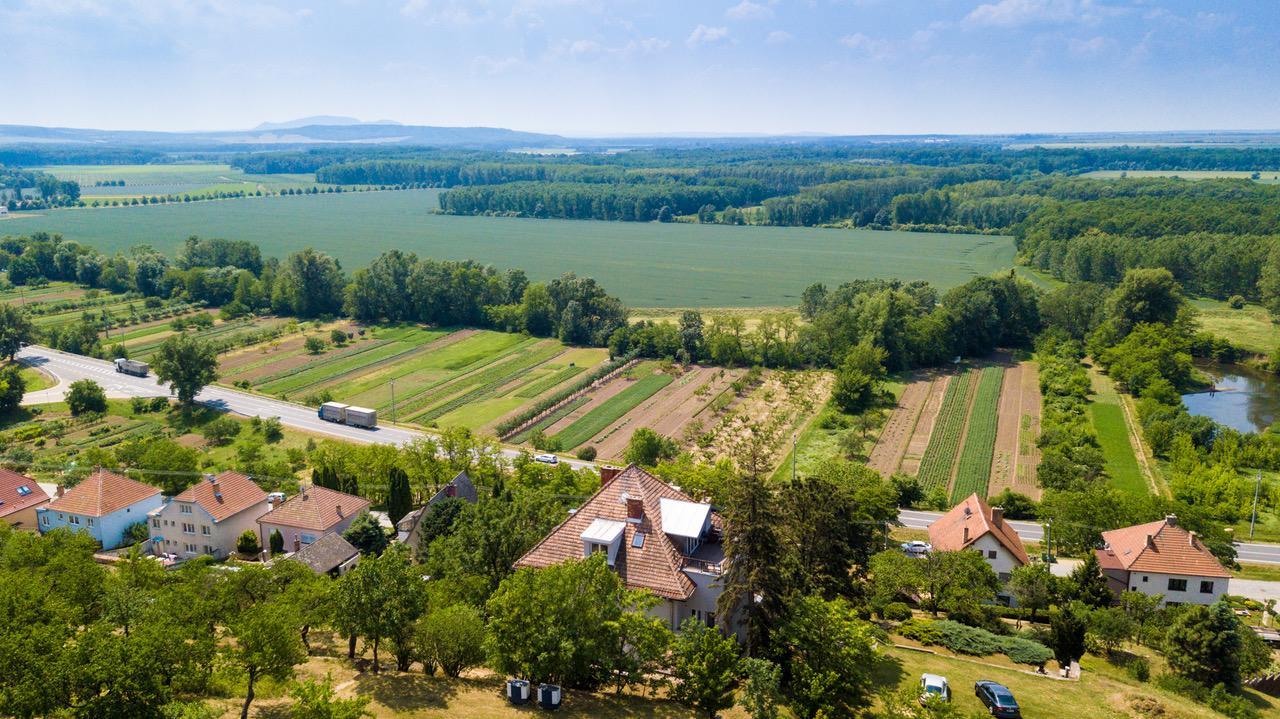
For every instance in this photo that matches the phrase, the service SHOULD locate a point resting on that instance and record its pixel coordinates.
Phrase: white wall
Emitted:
(1004, 561)
(1159, 584)
(222, 535)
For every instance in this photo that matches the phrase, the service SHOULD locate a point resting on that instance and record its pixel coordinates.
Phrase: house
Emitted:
(974, 524)
(654, 536)
(460, 487)
(20, 496)
(330, 554)
(104, 505)
(309, 515)
(208, 517)
(1162, 559)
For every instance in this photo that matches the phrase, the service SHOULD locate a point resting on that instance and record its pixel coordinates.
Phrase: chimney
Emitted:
(635, 510)
(966, 535)
(297, 543)
(997, 515)
(608, 473)
(60, 490)
(1171, 520)
(1191, 538)
(1151, 541)
(212, 479)
(217, 495)
(451, 490)
(339, 508)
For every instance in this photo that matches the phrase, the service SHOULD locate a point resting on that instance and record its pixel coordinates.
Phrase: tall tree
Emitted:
(187, 364)
(755, 580)
(399, 495)
(704, 664)
(16, 330)
(309, 284)
(1203, 645)
(265, 644)
(1033, 586)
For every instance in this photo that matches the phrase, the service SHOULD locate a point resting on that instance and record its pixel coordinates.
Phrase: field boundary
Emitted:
(525, 426)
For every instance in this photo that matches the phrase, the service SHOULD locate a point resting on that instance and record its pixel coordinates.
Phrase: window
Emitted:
(707, 618)
(23, 490)
(1177, 585)
(1145, 577)
(44, 519)
(204, 529)
(156, 522)
(190, 548)
(638, 540)
(75, 520)
(90, 521)
(598, 548)
(1206, 587)
(185, 508)
(308, 538)
(188, 528)
(991, 554)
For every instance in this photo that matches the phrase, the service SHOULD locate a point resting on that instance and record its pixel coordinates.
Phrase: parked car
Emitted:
(997, 699)
(934, 688)
(916, 548)
(546, 458)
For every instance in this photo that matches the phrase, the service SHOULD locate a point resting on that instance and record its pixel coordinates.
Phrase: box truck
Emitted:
(133, 367)
(346, 414)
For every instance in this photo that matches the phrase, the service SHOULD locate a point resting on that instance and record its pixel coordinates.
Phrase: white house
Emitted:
(975, 525)
(208, 517)
(654, 536)
(103, 505)
(1162, 559)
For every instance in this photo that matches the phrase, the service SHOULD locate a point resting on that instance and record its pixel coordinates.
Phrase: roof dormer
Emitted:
(603, 535)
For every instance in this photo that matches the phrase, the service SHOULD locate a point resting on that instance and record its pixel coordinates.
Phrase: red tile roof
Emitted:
(948, 534)
(231, 494)
(102, 493)
(316, 508)
(655, 566)
(11, 500)
(1161, 547)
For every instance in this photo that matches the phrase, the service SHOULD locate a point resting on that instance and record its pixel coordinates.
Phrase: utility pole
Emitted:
(393, 401)
(1048, 541)
(1253, 518)
(794, 441)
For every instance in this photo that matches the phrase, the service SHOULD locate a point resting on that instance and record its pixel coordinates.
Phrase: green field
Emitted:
(178, 179)
(1250, 327)
(1108, 422)
(944, 442)
(595, 421)
(645, 264)
(1264, 176)
(974, 471)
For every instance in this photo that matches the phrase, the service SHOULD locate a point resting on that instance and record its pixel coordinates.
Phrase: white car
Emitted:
(934, 688)
(916, 548)
(546, 458)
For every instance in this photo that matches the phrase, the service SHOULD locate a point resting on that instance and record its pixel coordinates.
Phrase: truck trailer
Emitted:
(133, 367)
(349, 415)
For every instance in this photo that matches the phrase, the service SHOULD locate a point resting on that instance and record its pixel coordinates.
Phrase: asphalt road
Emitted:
(68, 368)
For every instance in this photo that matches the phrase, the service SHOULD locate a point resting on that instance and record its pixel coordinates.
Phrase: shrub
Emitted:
(159, 404)
(1236, 302)
(896, 612)
(587, 453)
(1025, 651)
(221, 431)
(338, 337)
(1139, 668)
(924, 631)
(247, 543)
(964, 639)
(315, 345)
(140, 405)
(451, 638)
(85, 396)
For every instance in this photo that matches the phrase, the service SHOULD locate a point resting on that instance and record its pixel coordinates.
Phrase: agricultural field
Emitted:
(124, 318)
(973, 469)
(659, 265)
(1016, 453)
(1249, 327)
(1263, 176)
(195, 179)
(1107, 413)
(938, 462)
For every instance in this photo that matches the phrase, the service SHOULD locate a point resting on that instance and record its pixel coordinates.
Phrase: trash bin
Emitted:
(549, 696)
(517, 691)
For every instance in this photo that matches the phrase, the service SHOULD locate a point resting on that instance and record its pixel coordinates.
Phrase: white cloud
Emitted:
(1015, 13)
(747, 10)
(497, 65)
(1089, 47)
(450, 12)
(779, 37)
(705, 35)
(591, 48)
(872, 47)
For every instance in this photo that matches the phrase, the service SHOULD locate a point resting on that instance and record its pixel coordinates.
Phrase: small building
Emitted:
(4, 209)
(208, 517)
(104, 505)
(460, 487)
(974, 524)
(330, 554)
(20, 497)
(309, 515)
(654, 536)
(1162, 559)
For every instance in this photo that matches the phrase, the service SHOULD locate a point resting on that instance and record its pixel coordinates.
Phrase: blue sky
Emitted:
(590, 67)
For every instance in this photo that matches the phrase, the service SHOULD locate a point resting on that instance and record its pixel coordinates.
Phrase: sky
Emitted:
(593, 68)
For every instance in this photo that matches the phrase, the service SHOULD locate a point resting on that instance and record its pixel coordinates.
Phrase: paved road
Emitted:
(1248, 552)
(68, 368)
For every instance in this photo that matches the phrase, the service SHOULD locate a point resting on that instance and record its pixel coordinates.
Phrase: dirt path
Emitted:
(890, 447)
(665, 412)
(924, 425)
(1013, 464)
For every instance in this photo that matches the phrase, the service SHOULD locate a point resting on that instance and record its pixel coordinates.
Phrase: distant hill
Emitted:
(311, 131)
(319, 120)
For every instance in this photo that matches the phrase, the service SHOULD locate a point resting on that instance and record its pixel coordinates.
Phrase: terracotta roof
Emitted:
(1162, 547)
(229, 495)
(655, 566)
(326, 553)
(316, 508)
(463, 489)
(102, 493)
(948, 533)
(11, 499)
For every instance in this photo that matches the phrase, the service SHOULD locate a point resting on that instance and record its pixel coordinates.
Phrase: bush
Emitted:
(964, 639)
(315, 345)
(247, 543)
(338, 337)
(451, 638)
(1236, 302)
(1218, 698)
(924, 631)
(896, 612)
(85, 396)
(159, 404)
(221, 431)
(587, 453)
(1025, 651)
(1138, 668)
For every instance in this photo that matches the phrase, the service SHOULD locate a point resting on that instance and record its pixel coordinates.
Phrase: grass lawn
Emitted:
(1122, 465)
(593, 422)
(36, 380)
(1250, 327)
(1258, 572)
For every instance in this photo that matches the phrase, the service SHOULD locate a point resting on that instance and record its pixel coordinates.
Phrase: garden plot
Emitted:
(638, 385)
(668, 411)
(891, 446)
(923, 429)
(973, 469)
(948, 434)
(1016, 451)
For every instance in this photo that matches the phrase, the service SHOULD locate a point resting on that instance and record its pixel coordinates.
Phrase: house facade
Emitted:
(1162, 559)
(459, 487)
(208, 517)
(655, 537)
(977, 526)
(309, 515)
(20, 497)
(103, 505)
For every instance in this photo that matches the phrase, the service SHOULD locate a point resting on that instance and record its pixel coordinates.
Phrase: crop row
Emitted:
(595, 421)
(944, 443)
(537, 387)
(481, 384)
(974, 471)
(563, 411)
(333, 366)
(527, 414)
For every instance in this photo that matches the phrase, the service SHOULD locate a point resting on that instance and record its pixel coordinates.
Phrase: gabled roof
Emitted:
(655, 566)
(462, 488)
(227, 495)
(326, 553)
(971, 520)
(18, 492)
(316, 508)
(102, 493)
(1161, 547)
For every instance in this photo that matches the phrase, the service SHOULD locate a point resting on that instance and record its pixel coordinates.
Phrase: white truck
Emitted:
(133, 367)
(348, 414)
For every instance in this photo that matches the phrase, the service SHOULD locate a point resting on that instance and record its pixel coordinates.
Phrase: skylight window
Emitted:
(23, 490)
(638, 540)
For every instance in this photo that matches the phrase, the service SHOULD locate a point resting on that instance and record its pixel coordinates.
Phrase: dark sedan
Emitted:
(997, 699)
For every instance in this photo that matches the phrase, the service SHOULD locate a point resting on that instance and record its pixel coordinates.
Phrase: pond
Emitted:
(1245, 399)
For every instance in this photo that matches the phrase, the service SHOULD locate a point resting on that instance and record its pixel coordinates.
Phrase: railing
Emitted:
(702, 565)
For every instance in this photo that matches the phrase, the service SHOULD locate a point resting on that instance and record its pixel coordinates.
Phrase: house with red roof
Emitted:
(975, 525)
(103, 505)
(309, 515)
(208, 517)
(20, 496)
(654, 536)
(1162, 559)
